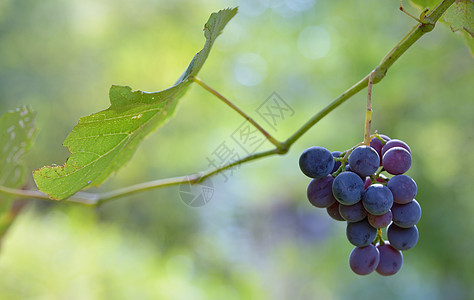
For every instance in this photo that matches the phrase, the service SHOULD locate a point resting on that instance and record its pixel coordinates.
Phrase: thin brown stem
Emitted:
(368, 112)
(269, 137)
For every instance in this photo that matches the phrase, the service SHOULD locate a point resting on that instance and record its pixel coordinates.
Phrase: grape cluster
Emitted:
(352, 187)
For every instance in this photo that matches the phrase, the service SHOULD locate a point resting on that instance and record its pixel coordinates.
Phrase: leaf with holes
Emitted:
(103, 142)
(17, 132)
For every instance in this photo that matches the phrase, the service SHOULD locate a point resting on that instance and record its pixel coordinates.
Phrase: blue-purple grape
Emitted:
(377, 199)
(390, 261)
(333, 212)
(381, 221)
(316, 162)
(319, 192)
(394, 143)
(348, 188)
(402, 238)
(403, 188)
(364, 260)
(364, 160)
(396, 160)
(360, 233)
(352, 213)
(406, 215)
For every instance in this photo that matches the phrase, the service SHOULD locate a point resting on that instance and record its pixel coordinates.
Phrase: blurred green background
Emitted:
(258, 237)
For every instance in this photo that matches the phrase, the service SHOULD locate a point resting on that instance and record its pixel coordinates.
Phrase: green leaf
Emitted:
(103, 142)
(460, 16)
(212, 29)
(17, 132)
(422, 4)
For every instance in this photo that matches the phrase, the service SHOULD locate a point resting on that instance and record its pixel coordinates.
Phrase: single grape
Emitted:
(352, 213)
(364, 260)
(381, 221)
(394, 143)
(360, 233)
(337, 164)
(396, 161)
(364, 160)
(403, 188)
(377, 199)
(319, 192)
(347, 167)
(333, 212)
(377, 145)
(402, 238)
(406, 215)
(348, 188)
(391, 260)
(316, 162)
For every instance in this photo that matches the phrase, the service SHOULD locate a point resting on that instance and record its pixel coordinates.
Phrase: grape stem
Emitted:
(379, 237)
(379, 172)
(380, 138)
(422, 15)
(376, 75)
(368, 112)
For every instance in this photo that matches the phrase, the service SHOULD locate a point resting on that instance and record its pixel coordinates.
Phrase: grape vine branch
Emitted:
(376, 75)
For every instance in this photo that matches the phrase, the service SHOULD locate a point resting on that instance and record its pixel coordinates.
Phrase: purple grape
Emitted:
(319, 192)
(364, 260)
(377, 199)
(347, 168)
(352, 213)
(333, 212)
(381, 221)
(348, 188)
(396, 161)
(394, 143)
(360, 233)
(337, 164)
(402, 238)
(403, 188)
(390, 261)
(406, 215)
(316, 162)
(377, 145)
(364, 160)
